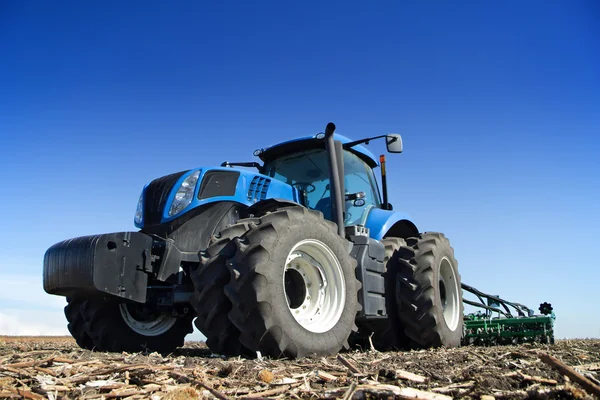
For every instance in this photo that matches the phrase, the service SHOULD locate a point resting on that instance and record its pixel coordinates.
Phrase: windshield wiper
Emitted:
(243, 164)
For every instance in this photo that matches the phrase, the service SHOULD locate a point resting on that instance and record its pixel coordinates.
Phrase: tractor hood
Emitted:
(309, 143)
(205, 185)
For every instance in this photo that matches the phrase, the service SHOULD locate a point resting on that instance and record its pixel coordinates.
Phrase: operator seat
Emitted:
(324, 205)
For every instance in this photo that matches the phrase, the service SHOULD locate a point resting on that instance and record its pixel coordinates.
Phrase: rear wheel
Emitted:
(293, 286)
(386, 334)
(391, 336)
(114, 326)
(428, 292)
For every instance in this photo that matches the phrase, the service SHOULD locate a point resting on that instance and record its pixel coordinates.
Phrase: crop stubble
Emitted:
(54, 368)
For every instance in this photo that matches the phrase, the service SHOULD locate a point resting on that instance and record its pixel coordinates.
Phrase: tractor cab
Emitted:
(304, 164)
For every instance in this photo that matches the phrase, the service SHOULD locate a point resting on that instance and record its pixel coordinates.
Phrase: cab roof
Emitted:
(310, 143)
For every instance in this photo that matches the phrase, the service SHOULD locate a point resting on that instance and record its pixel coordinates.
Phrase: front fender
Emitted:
(380, 222)
(263, 206)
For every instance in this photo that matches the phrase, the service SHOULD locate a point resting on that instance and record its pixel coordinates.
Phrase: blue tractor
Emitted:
(300, 254)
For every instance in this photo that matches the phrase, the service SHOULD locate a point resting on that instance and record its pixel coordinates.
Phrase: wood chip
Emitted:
(325, 376)
(123, 393)
(63, 360)
(348, 364)
(18, 371)
(26, 394)
(409, 376)
(23, 364)
(270, 392)
(453, 387)
(47, 371)
(104, 384)
(410, 393)
(55, 388)
(530, 378)
(284, 381)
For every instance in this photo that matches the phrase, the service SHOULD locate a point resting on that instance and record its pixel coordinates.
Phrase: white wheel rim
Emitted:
(153, 325)
(314, 286)
(449, 294)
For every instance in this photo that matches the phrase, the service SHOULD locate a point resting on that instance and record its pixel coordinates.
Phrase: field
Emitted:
(53, 368)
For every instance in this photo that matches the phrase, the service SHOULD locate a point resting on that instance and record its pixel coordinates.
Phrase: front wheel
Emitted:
(108, 325)
(77, 324)
(428, 292)
(293, 286)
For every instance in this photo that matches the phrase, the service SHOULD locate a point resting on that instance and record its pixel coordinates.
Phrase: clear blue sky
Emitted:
(498, 104)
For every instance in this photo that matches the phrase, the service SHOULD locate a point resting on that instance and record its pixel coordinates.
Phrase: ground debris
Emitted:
(55, 368)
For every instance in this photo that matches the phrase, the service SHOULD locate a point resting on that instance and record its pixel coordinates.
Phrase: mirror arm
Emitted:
(361, 141)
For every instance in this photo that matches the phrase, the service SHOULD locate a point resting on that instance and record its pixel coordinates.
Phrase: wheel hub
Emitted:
(449, 294)
(144, 321)
(443, 297)
(314, 286)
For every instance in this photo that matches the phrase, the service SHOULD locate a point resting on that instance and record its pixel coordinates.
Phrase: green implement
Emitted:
(505, 322)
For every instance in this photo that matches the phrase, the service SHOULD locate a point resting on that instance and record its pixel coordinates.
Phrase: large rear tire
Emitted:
(428, 292)
(391, 336)
(109, 325)
(209, 301)
(293, 286)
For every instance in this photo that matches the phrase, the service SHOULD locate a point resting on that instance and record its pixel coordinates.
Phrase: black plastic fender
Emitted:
(264, 206)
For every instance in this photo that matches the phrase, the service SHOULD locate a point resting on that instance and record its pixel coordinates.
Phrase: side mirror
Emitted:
(394, 143)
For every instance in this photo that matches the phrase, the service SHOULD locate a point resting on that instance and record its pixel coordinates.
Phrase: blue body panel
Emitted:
(276, 189)
(343, 139)
(380, 221)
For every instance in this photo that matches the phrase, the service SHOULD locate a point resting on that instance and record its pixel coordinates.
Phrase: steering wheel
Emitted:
(305, 187)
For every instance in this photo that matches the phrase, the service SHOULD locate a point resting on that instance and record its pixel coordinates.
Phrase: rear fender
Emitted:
(383, 223)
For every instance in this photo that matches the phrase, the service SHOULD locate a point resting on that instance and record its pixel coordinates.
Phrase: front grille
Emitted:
(156, 196)
(258, 188)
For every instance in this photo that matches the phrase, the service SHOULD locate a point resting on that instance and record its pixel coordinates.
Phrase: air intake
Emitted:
(258, 188)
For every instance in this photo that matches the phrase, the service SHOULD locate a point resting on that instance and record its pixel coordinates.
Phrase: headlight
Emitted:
(184, 194)
(139, 211)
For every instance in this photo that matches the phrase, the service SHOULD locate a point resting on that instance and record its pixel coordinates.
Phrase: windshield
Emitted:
(308, 171)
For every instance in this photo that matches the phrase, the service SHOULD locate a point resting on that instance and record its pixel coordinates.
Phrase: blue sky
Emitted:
(498, 104)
